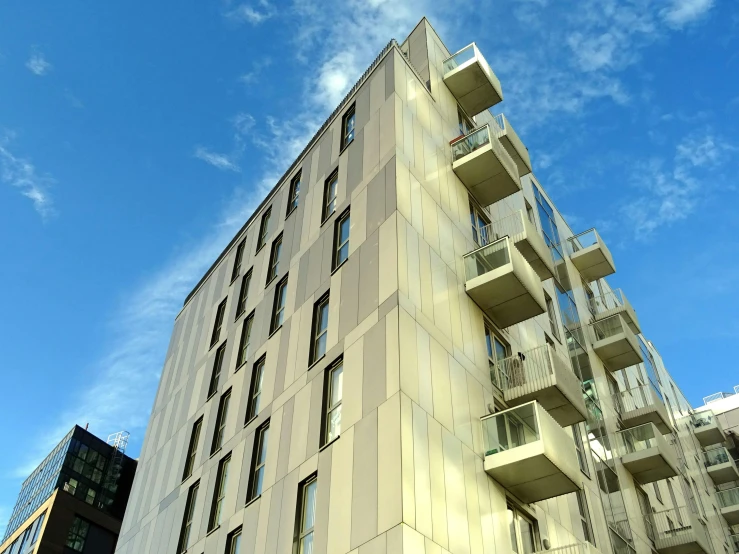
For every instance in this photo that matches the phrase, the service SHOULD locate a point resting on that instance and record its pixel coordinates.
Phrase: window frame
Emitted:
(300, 532)
(584, 511)
(215, 375)
(345, 217)
(244, 341)
(259, 452)
(479, 215)
(232, 546)
(552, 316)
(236, 271)
(219, 493)
(78, 535)
(293, 198)
(186, 528)
(218, 322)
(328, 406)
(327, 186)
(221, 416)
(347, 137)
(280, 288)
(274, 259)
(264, 229)
(243, 294)
(317, 334)
(257, 378)
(192, 448)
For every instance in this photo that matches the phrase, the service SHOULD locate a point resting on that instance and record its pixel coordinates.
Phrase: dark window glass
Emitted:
(347, 127)
(37, 527)
(244, 341)
(219, 494)
(243, 294)
(233, 542)
(274, 259)
(320, 329)
(292, 201)
(77, 534)
(255, 390)
(264, 229)
(334, 392)
(237, 260)
(220, 312)
(278, 310)
(192, 496)
(330, 191)
(216, 373)
(341, 240)
(192, 449)
(221, 421)
(259, 459)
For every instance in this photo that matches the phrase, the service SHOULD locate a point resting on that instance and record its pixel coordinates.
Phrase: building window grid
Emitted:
(78, 534)
(306, 516)
(259, 460)
(334, 394)
(255, 390)
(244, 341)
(220, 422)
(341, 240)
(192, 496)
(218, 324)
(215, 375)
(243, 293)
(192, 448)
(219, 494)
(278, 309)
(264, 229)
(320, 329)
(274, 259)
(347, 127)
(237, 260)
(294, 197)
(233, 542)
(330, 192)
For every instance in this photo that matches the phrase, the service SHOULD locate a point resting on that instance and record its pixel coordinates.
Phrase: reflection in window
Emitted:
(78, 534)
(334, 393)
(306, 520)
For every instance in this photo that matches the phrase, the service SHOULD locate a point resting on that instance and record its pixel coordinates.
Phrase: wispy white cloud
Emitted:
(37, 64)
(243, 122)
(257, 66)
(21, 173)
(680, 13)
(220, 161)
(253, 14)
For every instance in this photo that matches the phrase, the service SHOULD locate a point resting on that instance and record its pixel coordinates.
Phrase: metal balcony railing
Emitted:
(511, 225)
(703, 419)
(608, 301)
(636, 439)
(636, 398)
(532, 369)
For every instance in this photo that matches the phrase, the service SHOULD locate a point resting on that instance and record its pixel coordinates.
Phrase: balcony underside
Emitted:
(709, 435)
(680, 541)
(618, 351)
(731, 514)
(473, 88)
(724, 473)
(485, 176)
(516, 149)
(536, 252)
(649, 465)
(593, 262)
(652, 413)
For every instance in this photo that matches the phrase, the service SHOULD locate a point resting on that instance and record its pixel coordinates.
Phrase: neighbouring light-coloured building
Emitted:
(407, 349)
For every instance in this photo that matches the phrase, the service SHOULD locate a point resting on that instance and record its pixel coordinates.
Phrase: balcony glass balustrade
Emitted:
(641, 405)
(728, 500)
(707, 428)
(591, 256)
(646, 454)
(470, 79)
(614, 302)
(720, 466)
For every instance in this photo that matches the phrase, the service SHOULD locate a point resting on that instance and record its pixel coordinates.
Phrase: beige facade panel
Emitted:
(471, 81)
(529, 454)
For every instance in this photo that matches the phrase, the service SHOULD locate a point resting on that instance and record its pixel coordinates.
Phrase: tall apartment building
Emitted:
(74, 501)
(406, 349)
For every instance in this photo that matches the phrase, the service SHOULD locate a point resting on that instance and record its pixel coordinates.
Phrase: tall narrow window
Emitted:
(320, 329)
(258, 460)
(347, 127)
(192, 497)
(219, 494)
(341, 239)
(334, 386)
(220, 422)
(236, 271)
(580, 448)
(274, 259)
(192, 448)
(552, 315)
(582, 506)
(255, 390)
(292, 201)
(37, 528)
(465, 123)
(244, 341)
(264, 229)
(498, 350)
(243, 294)
(78, 534)
(306, 516)
(657, 492)
(481, 230)
(233, 542)
(218, 323)
(278, 308)
(330, 191)
(215, 375)
(530, 213)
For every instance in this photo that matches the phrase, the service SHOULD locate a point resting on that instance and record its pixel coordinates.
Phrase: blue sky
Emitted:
(135, 139)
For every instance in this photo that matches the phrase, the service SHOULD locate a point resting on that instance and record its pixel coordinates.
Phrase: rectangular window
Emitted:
(274, 259)
(341, 240)
(192, 497)
(77, 534)
(237, 260)
(233, 542)
(552, 316)
(244, 341)
(278, 309)
(215, 375)
(219, 494)
(220, 312)
(220, 422)
(306, 516)
(481, 230)
(258, 461)
(320, 329)
(657, 492)
(264, 229)
(255, 390)
(37, 528)
(292, 200)
(530, 213)
(465, 123)
(582, 506)
(192, 448)
(347, 127)
(330, 191)
(243, 294)
(580, 448)
(333, 395)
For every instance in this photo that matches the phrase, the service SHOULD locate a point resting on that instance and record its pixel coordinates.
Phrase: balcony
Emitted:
(578, 548)
(615, 343)
(720, 466)
(503, 284)
(528, 241)
(470, 79)
(728, 501)
(643, 405)
(646, 454)
(734, 542)
(529, 454)
(484, 166)
(513, 145)
(611, 303)
(590, 256)
(679, 531)
(542, 374)
(707, 429)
